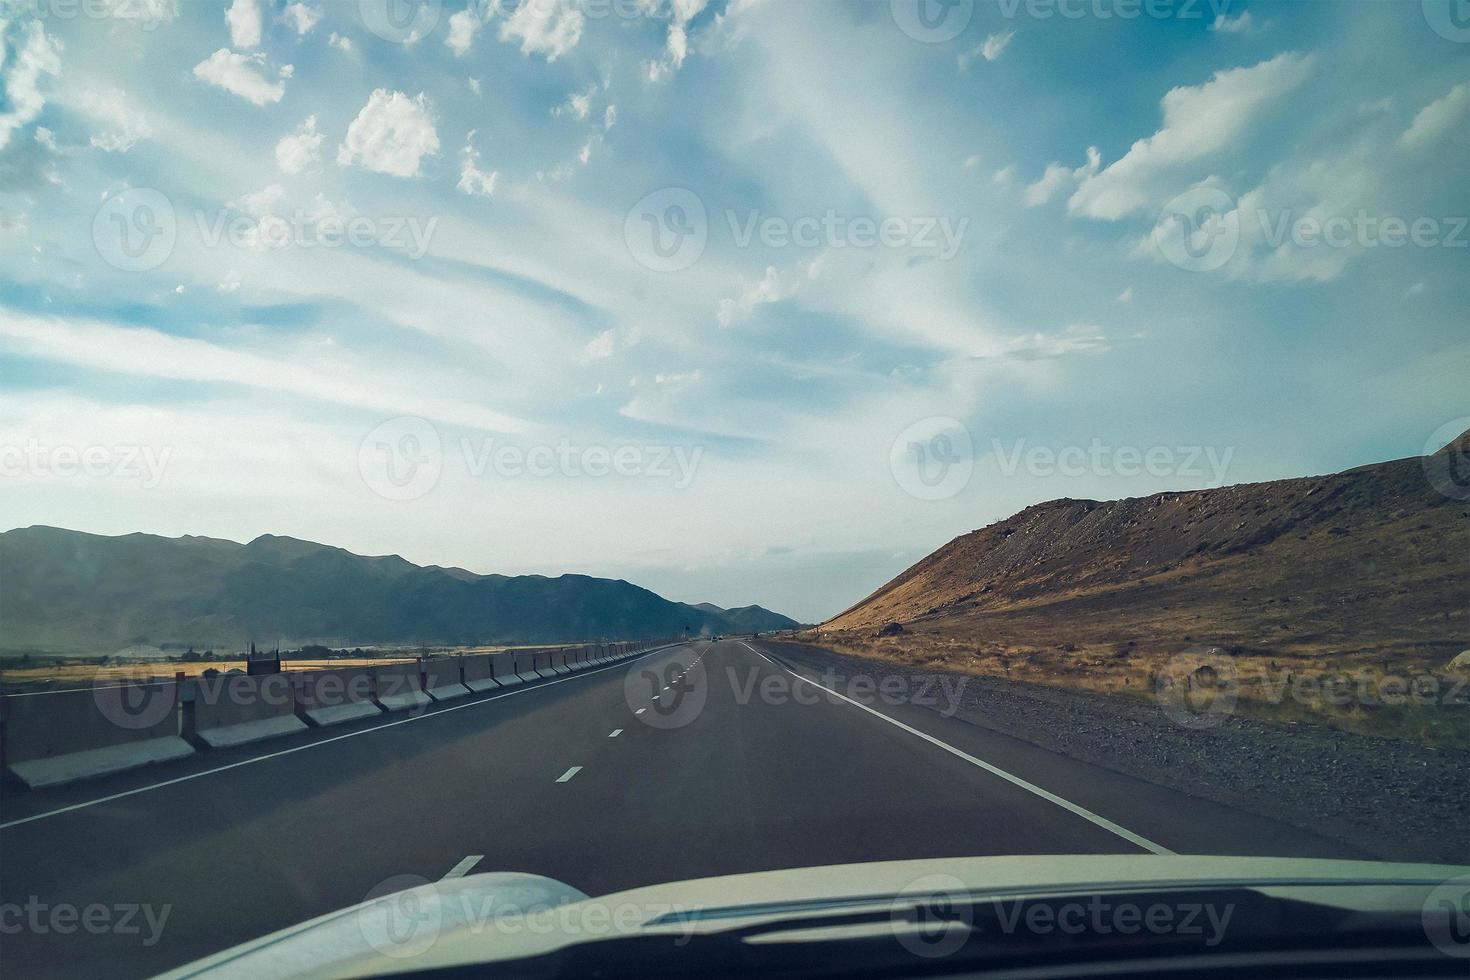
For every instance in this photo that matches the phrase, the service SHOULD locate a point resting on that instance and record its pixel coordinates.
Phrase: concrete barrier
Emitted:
(503, 666)
(55, 738)
(331, 697)
(442, 678)
(558, 661)
(479, 673)
(399, 686)
(237, 709)
(542, 664)
(526, 665)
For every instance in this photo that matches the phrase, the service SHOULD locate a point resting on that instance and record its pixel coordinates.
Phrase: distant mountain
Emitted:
(750, 619)
(68, 591)
(1369, 563)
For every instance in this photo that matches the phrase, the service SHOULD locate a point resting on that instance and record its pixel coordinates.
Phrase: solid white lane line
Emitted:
(463, 867)
(615, 733)
(1029, 787)
(568, 774)
(311, 745)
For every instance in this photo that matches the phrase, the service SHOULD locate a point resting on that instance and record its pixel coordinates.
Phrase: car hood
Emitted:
(500, 916)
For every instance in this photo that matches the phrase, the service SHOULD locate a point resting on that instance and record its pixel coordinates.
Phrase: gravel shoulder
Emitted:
(1396, 799)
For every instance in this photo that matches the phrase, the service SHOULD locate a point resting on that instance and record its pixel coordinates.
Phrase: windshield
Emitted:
(462, 459)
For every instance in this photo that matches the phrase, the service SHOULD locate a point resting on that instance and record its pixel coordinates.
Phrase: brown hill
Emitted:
(1369, 565)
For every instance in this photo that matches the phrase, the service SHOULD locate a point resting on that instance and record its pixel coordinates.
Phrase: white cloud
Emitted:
(550, 28)
(609, 117)
(463, 26)
(239, 74)
(1438, 117)
(118, 123)
(1126, 296)
(474, 84)
(243, 18)
(1415, 290)
(1082, 338)
(302, 17)
(1005, 176)
(391, 134)
(972, 161)
(676, 42)
(46, 138)
(1057, 177)
(578, 105)
(142, 352)
(472, 180)
(339, 42)
(1198, 121)
(585, 153)
(602, 346)
(1239, 24)
(36, 55)
(230, 283)
(301, 149)
(989, 49)
(773, 287)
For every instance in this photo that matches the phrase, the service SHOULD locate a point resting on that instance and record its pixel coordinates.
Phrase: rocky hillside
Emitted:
(65, 591)
(1371, 560)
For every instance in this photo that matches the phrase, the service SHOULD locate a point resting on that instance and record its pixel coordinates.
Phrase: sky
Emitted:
(740, 301)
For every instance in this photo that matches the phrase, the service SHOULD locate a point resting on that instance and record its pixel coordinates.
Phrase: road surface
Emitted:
(696, 760)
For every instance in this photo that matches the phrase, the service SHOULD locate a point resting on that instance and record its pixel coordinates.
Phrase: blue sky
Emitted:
(744, 302)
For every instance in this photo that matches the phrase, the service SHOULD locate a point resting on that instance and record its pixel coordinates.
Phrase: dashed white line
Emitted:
(463, 867)
(640, 711)
(568, 774)
(615, 733)
(1029, 787)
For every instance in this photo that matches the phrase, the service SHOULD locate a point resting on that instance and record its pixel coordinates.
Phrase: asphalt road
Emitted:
(697, 760)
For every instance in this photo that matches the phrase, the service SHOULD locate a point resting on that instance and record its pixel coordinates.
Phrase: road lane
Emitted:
(723, 762)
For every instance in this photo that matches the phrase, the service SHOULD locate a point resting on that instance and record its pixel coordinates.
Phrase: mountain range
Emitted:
(65, 591)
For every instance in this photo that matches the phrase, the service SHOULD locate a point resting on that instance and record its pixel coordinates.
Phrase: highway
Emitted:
(695, 760)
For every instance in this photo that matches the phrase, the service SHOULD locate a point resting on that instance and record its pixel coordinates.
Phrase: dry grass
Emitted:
(79, 675)
(1404, 695)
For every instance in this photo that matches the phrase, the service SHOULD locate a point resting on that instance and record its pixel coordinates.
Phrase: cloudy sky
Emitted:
(741, 301)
